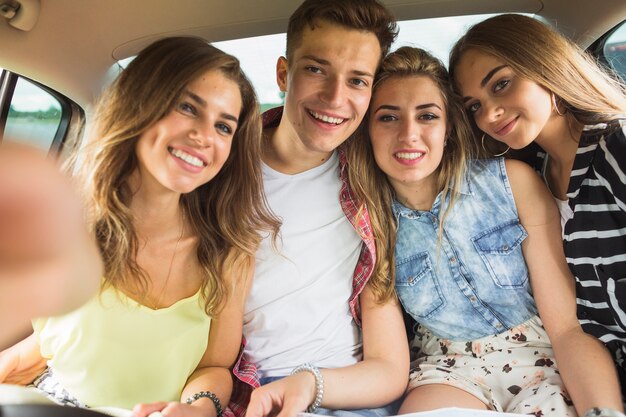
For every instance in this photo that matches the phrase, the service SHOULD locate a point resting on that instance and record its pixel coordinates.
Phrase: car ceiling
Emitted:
(75, 43)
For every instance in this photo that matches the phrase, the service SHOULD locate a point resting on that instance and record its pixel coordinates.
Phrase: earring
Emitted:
(482, 143)
(556, 108)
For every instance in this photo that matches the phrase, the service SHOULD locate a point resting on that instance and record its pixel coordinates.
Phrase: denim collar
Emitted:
(400, 209)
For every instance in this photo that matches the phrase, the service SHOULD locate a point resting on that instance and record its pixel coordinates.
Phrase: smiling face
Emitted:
(505, 106)
(328, 86)
(407, 127)
(188, 147)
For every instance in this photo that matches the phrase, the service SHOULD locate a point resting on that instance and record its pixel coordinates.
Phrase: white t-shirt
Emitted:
(297, 310)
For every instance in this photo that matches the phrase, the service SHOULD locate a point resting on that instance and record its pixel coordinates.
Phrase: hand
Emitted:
(283, 398)
(173, 409)
(22, 363)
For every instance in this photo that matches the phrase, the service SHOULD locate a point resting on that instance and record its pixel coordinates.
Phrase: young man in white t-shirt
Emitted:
(312, 308)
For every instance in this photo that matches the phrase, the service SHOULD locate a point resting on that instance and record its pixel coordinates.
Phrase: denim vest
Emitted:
(474, 282)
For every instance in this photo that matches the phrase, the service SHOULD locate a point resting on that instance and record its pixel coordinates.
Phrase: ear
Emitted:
(281, 73)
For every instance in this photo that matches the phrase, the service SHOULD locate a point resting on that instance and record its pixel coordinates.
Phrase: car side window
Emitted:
(34, 114)
(612, 50)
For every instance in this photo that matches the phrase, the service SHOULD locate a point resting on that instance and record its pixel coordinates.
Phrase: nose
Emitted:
(202, 135)
(409, 131)
(333, 92)
(491, 112)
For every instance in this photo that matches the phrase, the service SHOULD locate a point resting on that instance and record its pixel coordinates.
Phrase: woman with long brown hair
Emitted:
(172, 183)
(525, 85)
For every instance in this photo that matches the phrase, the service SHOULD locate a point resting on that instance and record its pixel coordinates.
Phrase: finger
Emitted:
(291, 408)
(144, 410)
(173, 409)
(262, 402)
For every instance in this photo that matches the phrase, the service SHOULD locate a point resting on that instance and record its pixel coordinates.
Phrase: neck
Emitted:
(560, 140)
(416, 196)
(285, 152)
(156, 213)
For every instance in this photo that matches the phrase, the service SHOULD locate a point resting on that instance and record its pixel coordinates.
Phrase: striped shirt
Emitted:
(595, 237)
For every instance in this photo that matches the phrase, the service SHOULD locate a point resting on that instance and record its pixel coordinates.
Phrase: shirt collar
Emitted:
(400, 209)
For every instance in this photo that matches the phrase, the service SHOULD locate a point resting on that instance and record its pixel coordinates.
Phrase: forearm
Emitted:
(217, 380)
(587, 371)
(22, 363)
(361, 386)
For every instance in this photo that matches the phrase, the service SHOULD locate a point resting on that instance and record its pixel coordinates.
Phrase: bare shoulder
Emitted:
(534, 202)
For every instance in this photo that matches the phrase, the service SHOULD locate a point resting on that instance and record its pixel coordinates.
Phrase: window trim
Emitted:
(69, 109)
(596, 49)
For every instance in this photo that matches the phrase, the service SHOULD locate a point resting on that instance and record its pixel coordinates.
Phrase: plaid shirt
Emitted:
(245, 372)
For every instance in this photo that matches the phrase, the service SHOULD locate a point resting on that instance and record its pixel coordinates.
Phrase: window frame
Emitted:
(596, 49)
(71, 113)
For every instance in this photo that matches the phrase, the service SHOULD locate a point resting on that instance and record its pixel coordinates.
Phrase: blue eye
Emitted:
(358, 82)
(500, 85)
(224, 128)
(188, 108)
(473, 108)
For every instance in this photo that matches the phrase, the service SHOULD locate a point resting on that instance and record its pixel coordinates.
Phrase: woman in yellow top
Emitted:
(172, 183)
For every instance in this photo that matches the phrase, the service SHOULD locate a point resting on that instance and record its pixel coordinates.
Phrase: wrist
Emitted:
(603, 412)
(318, 388)
(205, 398)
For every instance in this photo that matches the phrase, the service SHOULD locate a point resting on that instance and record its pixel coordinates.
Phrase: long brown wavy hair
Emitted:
(228, 213)
(535, 51)
(370, 183)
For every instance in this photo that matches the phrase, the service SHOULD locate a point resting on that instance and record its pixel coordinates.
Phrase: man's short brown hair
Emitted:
(365, 15)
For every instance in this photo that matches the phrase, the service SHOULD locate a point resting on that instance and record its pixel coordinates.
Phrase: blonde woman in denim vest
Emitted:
(479, 263)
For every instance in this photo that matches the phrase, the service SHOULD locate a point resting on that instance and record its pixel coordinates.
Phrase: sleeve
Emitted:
(614, 167)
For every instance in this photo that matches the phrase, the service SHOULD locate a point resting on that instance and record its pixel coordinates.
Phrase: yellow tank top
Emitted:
(115, 352)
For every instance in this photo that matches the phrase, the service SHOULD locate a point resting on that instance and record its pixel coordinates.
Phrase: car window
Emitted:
(615, 50)
(34, 115)
(258, 55)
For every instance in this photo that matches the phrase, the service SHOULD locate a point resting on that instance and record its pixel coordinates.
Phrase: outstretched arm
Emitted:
(585, 365)
(48, 262)
(380, 378)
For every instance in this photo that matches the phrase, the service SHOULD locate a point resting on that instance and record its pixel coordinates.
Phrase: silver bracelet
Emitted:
(603, 412)
(319, 384)
(210, 396)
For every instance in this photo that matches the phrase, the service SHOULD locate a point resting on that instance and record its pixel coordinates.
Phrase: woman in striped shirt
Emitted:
(523, 83)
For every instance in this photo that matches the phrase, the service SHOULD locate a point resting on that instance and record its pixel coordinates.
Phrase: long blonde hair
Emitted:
(228, 213)
(370, 183)
(539, 53)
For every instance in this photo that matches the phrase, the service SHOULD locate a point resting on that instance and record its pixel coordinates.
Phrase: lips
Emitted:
(504, 129)
(187, 157)
(326, 118)
(409, 156)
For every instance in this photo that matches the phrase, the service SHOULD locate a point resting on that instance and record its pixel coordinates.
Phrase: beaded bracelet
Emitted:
(209, 395)
(603, 412)
(319, 384)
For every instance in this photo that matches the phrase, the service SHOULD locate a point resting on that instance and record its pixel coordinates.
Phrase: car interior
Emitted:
(56, 56)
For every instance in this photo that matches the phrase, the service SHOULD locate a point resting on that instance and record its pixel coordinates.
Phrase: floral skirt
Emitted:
(512, 372)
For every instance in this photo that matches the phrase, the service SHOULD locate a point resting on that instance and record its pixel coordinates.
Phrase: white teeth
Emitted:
(409, 155)
(326, 119)
(190, 159)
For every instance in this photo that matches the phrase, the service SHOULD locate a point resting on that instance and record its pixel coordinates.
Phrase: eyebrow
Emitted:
(487, 78)
(326, 62)
(420, 107)
(201, 102)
